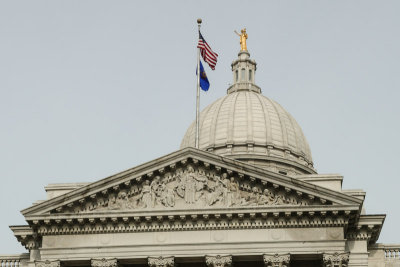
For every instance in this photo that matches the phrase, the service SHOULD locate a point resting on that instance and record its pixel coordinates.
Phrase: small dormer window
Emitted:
(242, 73)
(250, 75)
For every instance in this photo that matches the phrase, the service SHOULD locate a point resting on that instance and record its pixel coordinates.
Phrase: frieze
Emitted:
(190, 188)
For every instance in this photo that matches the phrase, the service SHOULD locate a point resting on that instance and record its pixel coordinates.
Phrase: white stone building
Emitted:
(249, 196)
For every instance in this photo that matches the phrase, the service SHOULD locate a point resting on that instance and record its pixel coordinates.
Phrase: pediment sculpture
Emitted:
(190, 188)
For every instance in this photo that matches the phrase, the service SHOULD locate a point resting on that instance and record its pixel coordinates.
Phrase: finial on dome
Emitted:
(199, 21)
(243, 37)
(243, 69)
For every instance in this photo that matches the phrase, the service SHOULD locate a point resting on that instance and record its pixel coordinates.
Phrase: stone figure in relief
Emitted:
(267, 198)
(234, 192)
(155, 190)
(147, 195)
(190, 186)
(167, 194)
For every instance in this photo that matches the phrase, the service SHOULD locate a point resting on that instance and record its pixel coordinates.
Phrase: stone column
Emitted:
(161, 261)
(335, 259)
(47, 263)
(219, 261)
(277, 260)
(104, 262)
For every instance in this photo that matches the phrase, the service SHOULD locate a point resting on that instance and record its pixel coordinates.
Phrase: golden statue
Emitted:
(243, 37)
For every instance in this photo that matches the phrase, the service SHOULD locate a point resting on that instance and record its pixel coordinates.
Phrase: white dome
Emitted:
(250, 127)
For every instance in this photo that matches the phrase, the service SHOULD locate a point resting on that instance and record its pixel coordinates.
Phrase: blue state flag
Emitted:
(204, 83)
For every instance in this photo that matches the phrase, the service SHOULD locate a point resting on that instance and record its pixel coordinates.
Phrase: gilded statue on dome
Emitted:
(243, 37)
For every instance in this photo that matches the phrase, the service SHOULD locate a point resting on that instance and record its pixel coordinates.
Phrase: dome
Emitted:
(247, 126)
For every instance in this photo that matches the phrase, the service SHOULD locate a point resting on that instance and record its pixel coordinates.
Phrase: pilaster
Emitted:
(358, 252)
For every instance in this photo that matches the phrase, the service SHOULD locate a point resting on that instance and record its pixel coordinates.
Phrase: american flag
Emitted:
(206, 52)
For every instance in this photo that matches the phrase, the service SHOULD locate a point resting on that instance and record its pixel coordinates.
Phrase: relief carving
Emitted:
(335, 259)
(47, 263)
(193, 188)
(277, 260)
(104, 262)
(219, 261)
(161, 261)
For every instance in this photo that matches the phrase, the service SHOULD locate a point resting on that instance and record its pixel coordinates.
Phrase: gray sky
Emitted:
(91, 88)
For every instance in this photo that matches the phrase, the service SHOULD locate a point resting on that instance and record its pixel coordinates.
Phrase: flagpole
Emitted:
(198, 92)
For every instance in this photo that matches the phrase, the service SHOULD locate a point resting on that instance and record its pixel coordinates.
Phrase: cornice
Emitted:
(27, 236)
(368, 227)
(153, 222)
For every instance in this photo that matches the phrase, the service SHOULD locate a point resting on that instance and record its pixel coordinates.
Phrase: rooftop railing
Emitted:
(13, 260)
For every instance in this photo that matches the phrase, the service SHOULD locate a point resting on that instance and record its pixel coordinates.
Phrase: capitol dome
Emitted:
(247, 126)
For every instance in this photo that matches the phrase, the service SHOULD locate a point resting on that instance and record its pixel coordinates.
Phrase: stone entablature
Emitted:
(182, 220)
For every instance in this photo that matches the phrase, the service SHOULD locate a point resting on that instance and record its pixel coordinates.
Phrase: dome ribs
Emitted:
(250, 127)
(250, 130)
(231, 120)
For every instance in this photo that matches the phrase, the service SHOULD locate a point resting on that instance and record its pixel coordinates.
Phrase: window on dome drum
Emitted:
(250, 76)
(242, 73)
(236, 75)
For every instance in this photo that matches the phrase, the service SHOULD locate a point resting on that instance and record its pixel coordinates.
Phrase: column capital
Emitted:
(104, 262)
(276, 260)
(161, 261)
(219, 261)
(335, 259)
(48, 263)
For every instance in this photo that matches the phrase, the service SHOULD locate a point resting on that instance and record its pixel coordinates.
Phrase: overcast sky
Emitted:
(91, 88)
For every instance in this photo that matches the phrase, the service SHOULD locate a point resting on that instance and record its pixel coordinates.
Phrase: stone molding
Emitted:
(104, 262)
(161, 261)
(47, 263)
(335, 259)
(211, 220)
(276, 260)
(219, 261)
(367, 228)
(27, 236)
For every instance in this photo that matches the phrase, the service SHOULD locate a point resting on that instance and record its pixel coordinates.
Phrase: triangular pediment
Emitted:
(190, 179)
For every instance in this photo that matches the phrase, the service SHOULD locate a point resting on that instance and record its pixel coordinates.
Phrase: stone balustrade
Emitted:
(18, 260)
(381, 255)
(392, 252)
